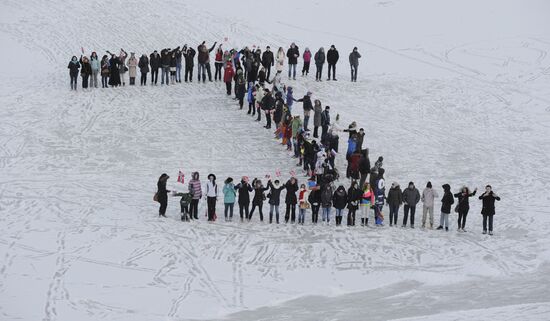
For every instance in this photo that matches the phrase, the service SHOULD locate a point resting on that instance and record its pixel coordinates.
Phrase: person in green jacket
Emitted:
(229, 194)
(184, 203)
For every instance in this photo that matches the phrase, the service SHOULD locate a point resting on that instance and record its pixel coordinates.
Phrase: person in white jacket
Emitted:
(280, 59)
(428, 197)
(211, 196)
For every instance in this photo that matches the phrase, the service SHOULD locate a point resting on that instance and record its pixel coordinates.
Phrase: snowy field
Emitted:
(453, 92)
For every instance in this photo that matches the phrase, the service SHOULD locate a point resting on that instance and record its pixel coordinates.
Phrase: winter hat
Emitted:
(228, 180)
(354, 48)
(332, 46)
(212, 175)
(381, 172)
(380, 159)
(429, 185)
(411, 183)
(446, 187)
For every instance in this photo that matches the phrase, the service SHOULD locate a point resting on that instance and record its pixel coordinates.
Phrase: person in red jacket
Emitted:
(218, 63)
(228, 76)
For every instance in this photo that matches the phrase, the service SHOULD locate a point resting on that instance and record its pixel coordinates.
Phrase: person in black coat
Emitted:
(114, 69)
(308, 107)
(143, 65)
(292, 54)
(154, 61)
(279, 108)
(394, 199)
(463, 206)
(244, 197)
(488, 209)
(165, 57)
(291, 200)
(268, 61)
(446, 202)
(73, 67)
(325, 122)
(339, 201)
(364, 166)
(354, 197)
(162, 194)
(274, 199)
(259, 198)
(189, 54)
(268, 104)
(86, 70)
(332, 59)
(314, 199)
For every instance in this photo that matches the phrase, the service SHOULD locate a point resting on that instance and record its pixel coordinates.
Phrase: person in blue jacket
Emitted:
(229, 194)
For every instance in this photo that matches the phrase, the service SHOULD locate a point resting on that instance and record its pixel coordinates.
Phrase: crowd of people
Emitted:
(319, 194)
(115, 69)
(315, 151)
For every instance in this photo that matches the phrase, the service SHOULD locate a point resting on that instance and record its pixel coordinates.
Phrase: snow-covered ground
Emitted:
(449, 91)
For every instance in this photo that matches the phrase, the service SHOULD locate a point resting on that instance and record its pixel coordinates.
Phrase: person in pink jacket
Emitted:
(307, 60)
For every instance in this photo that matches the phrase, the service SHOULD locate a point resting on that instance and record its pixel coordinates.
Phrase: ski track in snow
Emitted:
(78, 225)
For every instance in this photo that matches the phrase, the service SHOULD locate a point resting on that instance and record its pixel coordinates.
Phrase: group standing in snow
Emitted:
(114, 69)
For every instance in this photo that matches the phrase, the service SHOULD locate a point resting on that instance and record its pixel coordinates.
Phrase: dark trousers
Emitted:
(163, 205)
(143, 78)
(74, 79)
(132, 81)
(315, 213)
(154, 75)
(406, 214)
(485, 219)
(241, 102)
(333, 67)
(290, 213)
(268, 119)
(104, 81)
(353, 73)
(194, 209)
(165, 75)
(85, 81)
(243, 208)
(362, 179)
(218, 73)
(251, 108)
(260, 209)
(211, 203)
(305, 69)
(208, 72)
(267, 71)
(351, 217)
(228, 209)
(394, 213)
(259, 114)
(319, 72)
(315, 131)
(462, 214)
(188, 72)
(228, 87)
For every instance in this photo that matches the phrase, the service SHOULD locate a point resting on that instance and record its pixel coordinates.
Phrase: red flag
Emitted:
(181, 177)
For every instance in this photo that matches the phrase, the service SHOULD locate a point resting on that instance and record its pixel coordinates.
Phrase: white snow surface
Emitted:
(449, 91)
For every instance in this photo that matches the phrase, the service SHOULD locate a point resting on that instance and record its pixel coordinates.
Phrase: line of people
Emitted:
(319, 194)
(115, 68)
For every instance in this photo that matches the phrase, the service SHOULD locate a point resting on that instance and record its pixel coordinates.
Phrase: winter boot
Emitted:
(362, 222)
(440, 227)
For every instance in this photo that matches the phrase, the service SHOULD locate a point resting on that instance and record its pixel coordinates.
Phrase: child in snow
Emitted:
(184, 204)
